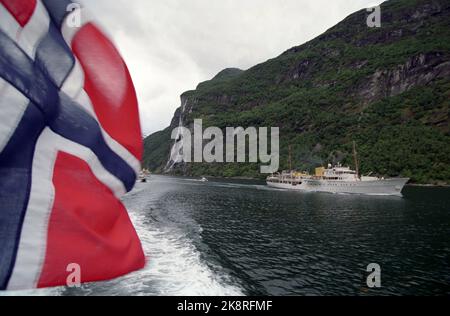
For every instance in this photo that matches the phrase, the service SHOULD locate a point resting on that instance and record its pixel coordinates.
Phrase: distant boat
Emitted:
(338, 179)
(203, 179)
(144, 175)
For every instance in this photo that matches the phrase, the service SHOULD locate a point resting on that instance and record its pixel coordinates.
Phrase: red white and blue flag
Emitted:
(70, 147)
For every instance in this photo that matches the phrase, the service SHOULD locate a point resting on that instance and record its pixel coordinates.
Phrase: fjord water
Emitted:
(242, 238)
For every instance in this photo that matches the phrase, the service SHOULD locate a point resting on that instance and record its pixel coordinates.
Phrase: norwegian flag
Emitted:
(70, 147)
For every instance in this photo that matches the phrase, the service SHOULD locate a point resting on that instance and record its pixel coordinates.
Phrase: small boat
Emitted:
(203, 179)
(143, 175)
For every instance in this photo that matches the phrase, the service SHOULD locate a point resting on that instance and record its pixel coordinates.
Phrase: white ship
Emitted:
(338, 179)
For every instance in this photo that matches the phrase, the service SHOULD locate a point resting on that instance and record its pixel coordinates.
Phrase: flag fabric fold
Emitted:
(70, 148)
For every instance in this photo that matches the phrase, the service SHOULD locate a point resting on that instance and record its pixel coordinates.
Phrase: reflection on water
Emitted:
(222, 238)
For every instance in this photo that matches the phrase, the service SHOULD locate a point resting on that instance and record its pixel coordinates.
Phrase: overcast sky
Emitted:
(172, 45)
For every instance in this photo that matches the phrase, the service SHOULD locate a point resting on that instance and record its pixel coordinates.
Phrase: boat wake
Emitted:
(174, 266)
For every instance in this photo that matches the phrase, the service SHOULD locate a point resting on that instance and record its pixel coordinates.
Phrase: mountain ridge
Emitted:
(386, 88)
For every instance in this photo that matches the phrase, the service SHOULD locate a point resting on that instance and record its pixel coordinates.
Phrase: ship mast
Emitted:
(290, 158)
(355, 157)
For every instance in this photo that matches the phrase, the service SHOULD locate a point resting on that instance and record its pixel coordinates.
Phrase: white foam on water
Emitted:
(175, 266)
(39, 292)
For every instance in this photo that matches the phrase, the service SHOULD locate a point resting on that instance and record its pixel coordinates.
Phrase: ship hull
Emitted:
(377, 187)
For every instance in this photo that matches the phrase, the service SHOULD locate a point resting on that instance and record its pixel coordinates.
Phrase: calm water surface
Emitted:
(243, 238)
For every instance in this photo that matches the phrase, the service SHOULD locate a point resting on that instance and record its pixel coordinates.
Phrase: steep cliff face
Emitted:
(419, 70)
(387, 88)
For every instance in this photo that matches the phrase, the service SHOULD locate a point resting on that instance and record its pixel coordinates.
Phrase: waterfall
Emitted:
(175, 153)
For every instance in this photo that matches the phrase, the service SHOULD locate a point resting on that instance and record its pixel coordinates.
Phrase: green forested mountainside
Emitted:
(157, 148)
(386, 88)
